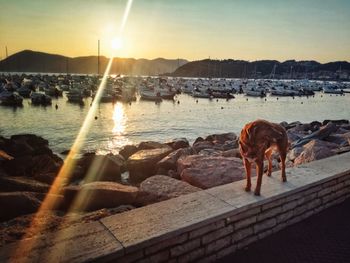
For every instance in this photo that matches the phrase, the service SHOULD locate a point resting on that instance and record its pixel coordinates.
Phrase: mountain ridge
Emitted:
(37, 61)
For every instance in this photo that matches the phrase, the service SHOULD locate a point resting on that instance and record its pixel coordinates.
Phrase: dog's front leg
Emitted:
(259, 172)
(247, 166)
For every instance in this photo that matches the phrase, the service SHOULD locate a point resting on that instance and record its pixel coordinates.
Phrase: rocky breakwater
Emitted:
(316, 140)
(139, 175)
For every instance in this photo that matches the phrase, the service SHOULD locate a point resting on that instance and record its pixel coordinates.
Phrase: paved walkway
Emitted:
(322, 238)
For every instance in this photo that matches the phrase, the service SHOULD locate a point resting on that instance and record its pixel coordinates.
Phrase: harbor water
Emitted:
(116, 125)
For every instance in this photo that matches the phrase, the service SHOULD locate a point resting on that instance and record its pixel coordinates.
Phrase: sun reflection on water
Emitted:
(119, 119)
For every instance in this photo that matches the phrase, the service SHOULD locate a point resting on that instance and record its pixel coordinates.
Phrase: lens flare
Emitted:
(50, 202)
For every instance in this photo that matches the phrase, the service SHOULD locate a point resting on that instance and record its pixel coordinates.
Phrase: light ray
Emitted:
(65, 173)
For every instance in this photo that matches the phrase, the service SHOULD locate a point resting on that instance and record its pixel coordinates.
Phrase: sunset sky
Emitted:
(190, 29)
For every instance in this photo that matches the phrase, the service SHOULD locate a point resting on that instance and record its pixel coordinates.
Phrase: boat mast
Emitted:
(98, 58)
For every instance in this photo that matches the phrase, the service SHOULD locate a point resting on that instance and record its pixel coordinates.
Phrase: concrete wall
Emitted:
(202, 226)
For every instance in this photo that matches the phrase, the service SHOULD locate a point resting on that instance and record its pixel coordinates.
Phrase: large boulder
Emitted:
(160, 187)
(208, 171)
(14, 204)
(97, 195)
(29, 165)
(25, 144)
(315, 150)
(14, 184)
(142, 164)
(320, 134)
(169, 161)
(102, 167)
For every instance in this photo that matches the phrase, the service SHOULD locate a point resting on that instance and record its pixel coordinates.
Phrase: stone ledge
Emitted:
(132, 233)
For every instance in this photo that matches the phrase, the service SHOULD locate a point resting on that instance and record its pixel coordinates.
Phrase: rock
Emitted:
(28, 144)
(206, 172)
(32, 165)
(292, 125)
(169, 161)
(232, 153)
(97, 195)
(284, 124)
(345, 127)
(199, 139)
(178, 143)
(14, 184)
(294, 153)
(198, 146)
(342, 150)
(337, 122)
(301, 127)
(322, 133)
(341, 139)
(102, 167)
(127, 151)
(315, 125)
(293, 136)
(14, 204)
(210, 152)
(315, 150)
(151, 145)
(65, 152)
(47, 178)
(160, 187)
(142, 164)
(222, 138)
(228, 145)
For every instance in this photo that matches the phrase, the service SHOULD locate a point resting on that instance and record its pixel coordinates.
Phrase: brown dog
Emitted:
(258, 140)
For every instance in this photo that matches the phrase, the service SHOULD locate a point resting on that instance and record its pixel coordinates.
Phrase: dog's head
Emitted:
(250, 146)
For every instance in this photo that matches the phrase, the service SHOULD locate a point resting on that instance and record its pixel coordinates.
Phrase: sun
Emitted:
(117, 43)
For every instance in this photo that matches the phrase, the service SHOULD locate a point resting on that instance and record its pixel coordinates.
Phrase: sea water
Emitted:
(116, 125)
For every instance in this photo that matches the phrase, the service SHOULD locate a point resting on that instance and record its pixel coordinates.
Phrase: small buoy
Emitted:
(321, 96)
(302, 102)
(217, 100)
(95, 117)
(222, 108)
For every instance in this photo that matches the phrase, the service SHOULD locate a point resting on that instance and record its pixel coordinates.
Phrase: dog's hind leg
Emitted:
(283, 156)
(259, 171)
(268, 154)
(247, 166)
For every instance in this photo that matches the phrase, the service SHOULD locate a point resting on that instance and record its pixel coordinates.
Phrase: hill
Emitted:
(263, 69)
(32, 61)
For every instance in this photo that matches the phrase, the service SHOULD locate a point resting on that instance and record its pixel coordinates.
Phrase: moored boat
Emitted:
(8, 98)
